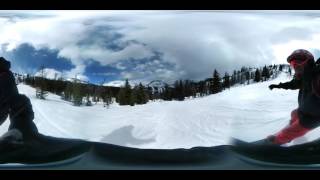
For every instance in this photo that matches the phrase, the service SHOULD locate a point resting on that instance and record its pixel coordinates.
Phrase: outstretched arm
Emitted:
(293, 84)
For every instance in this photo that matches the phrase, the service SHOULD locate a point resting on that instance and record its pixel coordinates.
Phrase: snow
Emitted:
(115, 83)
(49, 73)
(248, 112)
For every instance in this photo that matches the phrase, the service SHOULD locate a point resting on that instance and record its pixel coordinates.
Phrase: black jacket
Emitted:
(8, 89)
(309, 94)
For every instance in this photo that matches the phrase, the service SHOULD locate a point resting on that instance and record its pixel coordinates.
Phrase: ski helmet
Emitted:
(299, 60)
(300, 55)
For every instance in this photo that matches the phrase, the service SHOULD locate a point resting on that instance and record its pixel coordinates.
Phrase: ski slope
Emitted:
(248, 112)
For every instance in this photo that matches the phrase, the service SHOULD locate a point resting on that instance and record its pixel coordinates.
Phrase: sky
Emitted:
(110, 46)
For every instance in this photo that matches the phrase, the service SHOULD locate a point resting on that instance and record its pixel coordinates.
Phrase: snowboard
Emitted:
(14, 148)
(307, 153)
(262, 142)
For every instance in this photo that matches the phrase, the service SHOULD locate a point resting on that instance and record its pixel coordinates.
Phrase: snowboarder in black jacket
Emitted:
(307, 79)
(13, 104)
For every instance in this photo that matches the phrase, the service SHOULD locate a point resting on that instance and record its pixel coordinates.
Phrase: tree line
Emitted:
(80, 93)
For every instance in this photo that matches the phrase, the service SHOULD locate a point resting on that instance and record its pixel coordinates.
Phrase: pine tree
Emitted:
(243, 75)
(88, 101)
(187, 88)
(141, 95)
(290, 72)
(233, 78)
(77, 94)
(121, 97)
(226, 80)
(202, 88)
(217, 87)
(265, 73)
(247, 74)
(252, 75)
(178, 92)
(167, 93)
(107, 98)
(280, 67)
(125, 95)
(194, 90)
(257, 77)
(41, 84)
(67, 94)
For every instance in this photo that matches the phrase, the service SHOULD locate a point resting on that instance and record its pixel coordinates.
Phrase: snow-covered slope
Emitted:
(49, 73)
(247, 112)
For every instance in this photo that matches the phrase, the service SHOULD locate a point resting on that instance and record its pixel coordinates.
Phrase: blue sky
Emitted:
(150, 45)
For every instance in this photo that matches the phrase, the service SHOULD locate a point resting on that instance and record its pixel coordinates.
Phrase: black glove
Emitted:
(273, 86)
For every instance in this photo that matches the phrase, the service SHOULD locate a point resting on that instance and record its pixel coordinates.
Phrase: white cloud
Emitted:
(195, 42)
(63, 30)
(105, 74)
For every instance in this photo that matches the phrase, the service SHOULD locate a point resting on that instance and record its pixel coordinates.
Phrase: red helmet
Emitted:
(300, 55)
(299, 60)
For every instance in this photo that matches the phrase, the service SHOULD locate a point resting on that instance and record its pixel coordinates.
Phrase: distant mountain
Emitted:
(114, 83)
(49, 74)
(157, 86)
(54, 75)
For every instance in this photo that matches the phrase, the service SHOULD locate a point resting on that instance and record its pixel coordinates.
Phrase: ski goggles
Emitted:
(296, 64)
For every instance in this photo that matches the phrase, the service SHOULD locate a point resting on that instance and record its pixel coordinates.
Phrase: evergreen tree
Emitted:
(243, 75)
(265, 73)
(41, 84)
(141, 95)
(226, 80)
(290, 72)
(121, 97)
(108, 97)
(88, 101)
(167, 93)
(178, 90)
(247, 74)
(187, 88)
(125, 95)
(252, 75)
(202, 88)
(257, 77)
(217, 87)
(67, 94)
(234, 78)
(134, 96)
(77, 94)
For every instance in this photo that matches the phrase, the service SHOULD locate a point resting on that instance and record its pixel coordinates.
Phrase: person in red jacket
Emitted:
(307, 116)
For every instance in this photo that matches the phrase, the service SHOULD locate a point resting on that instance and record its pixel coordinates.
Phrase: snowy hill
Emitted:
(157, 86)
(49, 73)
(115, 83)
(53, 74)
(248, 112)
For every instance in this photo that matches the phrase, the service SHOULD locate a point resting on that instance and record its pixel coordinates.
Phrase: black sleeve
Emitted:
(3, 98)
(293, 84)
(8, 90)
